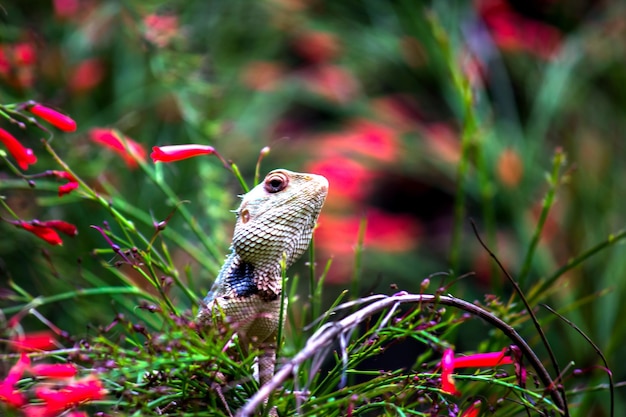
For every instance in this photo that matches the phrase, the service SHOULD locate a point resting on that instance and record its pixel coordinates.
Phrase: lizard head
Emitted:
(278, 216)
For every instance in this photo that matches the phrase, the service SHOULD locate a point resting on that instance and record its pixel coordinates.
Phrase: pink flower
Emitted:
(112, 140)
(59, 120)
(8, 393)
(23, 156)
(479, 360)
(57, 370)
(175, 153)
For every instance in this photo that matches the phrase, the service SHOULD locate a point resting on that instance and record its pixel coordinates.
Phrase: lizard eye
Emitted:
(276, 182)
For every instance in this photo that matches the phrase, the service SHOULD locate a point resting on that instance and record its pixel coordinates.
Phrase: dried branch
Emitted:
(327, 334)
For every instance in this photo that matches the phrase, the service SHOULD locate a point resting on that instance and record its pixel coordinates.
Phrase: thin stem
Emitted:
(572, 263)
(39, 301)
(469, 122)
(554, 180)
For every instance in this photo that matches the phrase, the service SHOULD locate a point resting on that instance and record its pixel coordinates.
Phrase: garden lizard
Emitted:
(275, 221)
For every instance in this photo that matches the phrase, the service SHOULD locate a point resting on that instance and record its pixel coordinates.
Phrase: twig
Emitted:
(598, 351)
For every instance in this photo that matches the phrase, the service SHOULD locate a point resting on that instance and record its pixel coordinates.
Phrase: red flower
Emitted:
(175, 153)
(112, 140)
(87, 75)
(59, 225)
(24, 54)
(17, 64)
(37, 410)
(71, 395)
(364, 137)
(8, 393)
(23, 156)
(59, 120)
(66, 8)
(316, 46)
(34, 341)
(346, 174)
(480, 360)
(447, 368)
(76, 414)
(48, 230)
(46, 233)
(512, 31)
(68, 187)
(472, 410)
(57, 370)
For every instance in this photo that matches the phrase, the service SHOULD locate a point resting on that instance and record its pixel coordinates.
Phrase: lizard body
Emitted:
(275, 220)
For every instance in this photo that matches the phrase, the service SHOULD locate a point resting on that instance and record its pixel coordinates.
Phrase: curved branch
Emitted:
(327, 334)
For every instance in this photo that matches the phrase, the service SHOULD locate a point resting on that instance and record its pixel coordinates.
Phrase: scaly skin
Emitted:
(275, 220)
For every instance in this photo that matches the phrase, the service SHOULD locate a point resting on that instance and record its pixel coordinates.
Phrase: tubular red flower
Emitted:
(59, 120)
(447, 368)
(174, 153)
(45, 233)
(480, 360)
(65, 188)
(110, 139)
(37, 410)
(56, 370)
(23, 156)
(472, 410)
(449, 363)
(34, 341)
(78, 392)
(59, 225)
(77, 414)
(17, 370)
(8, 393)
(62, 174)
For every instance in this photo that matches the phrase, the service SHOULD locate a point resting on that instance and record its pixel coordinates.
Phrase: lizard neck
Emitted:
(244, 279)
